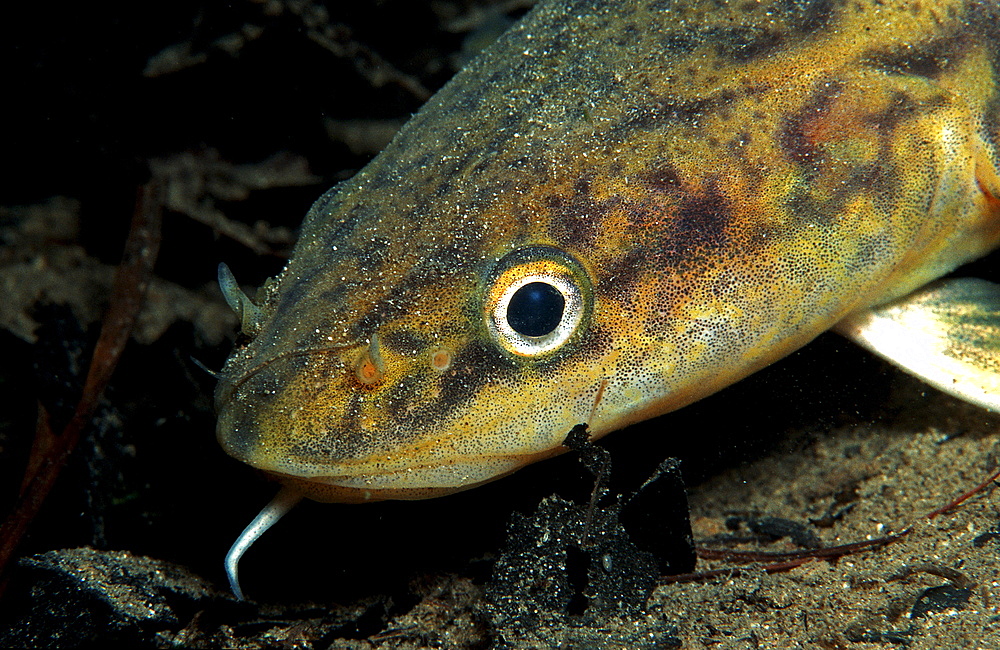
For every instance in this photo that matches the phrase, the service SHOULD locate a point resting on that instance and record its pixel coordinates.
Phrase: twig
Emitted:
(50, 452)
(785, 561)
(195, 181)
(808, 554)
(961, 498)
(782, 561)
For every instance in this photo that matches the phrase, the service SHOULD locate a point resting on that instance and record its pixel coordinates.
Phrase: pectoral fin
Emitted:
(947, 334)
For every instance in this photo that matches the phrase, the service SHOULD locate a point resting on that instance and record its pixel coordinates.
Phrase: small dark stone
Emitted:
(862, 633)
(902, 637)
(938, 599)
(668, 641)
(831, 517)
(777, 527)
(982, 540)
(569, 559)
(857, 634)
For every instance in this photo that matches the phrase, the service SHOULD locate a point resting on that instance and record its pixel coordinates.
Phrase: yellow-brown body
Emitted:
(717, 183)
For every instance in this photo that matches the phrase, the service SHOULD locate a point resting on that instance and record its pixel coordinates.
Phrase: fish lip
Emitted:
(421, 480)
(333, 493)
(365, 465)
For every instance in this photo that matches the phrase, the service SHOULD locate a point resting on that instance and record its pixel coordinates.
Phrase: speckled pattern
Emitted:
(719, 182)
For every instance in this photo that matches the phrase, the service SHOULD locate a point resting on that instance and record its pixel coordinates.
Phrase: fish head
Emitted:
(552, 242)
(394, 367)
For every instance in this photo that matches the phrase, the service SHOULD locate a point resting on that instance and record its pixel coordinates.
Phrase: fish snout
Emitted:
(362, 416)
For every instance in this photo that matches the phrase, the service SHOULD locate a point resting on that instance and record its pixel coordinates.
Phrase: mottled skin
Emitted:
(723, 181)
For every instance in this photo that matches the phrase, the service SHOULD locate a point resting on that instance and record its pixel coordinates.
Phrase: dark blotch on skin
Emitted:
(468, 368)
(335, 295)
(878, 179)
(576, 220)
(699, 228)
(345, 440)
(803, 207)
(901, 107)
(871, 249)
(704, 218)
(403, 396)
(597, 341)
(372, 256)
(290, 297)
(338, 233)
(372, 320)
(673, 109)
(663, 178)
(742, 44)
(402, 342)
(927, 60)
(677, 43)
(621, 274)
(532, 165)
(443, 263)
(808, 16)
(669, 110)
(793, 138)
(350, 421)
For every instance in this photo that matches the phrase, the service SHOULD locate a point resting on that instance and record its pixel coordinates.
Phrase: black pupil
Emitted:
(535, 309)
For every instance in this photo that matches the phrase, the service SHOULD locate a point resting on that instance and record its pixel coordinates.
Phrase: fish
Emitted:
(617, 209)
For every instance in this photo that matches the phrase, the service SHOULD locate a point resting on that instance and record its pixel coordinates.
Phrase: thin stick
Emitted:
(785, 561)
(50, 452)
(960, 499)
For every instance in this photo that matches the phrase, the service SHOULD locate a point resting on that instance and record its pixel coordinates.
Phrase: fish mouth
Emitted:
(408, 484)
(367, 464)
(378, 471)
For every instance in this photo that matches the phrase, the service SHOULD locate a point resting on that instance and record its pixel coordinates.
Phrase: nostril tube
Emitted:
(370, 369)
(250, 315)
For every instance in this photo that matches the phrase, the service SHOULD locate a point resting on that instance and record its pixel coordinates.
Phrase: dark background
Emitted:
(82, 120)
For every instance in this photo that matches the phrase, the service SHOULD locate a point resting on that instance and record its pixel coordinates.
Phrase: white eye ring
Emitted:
(561, 276)
(530, 346)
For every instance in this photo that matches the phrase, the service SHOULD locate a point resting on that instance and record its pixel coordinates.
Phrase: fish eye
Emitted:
(535, 309)
(536, 300)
